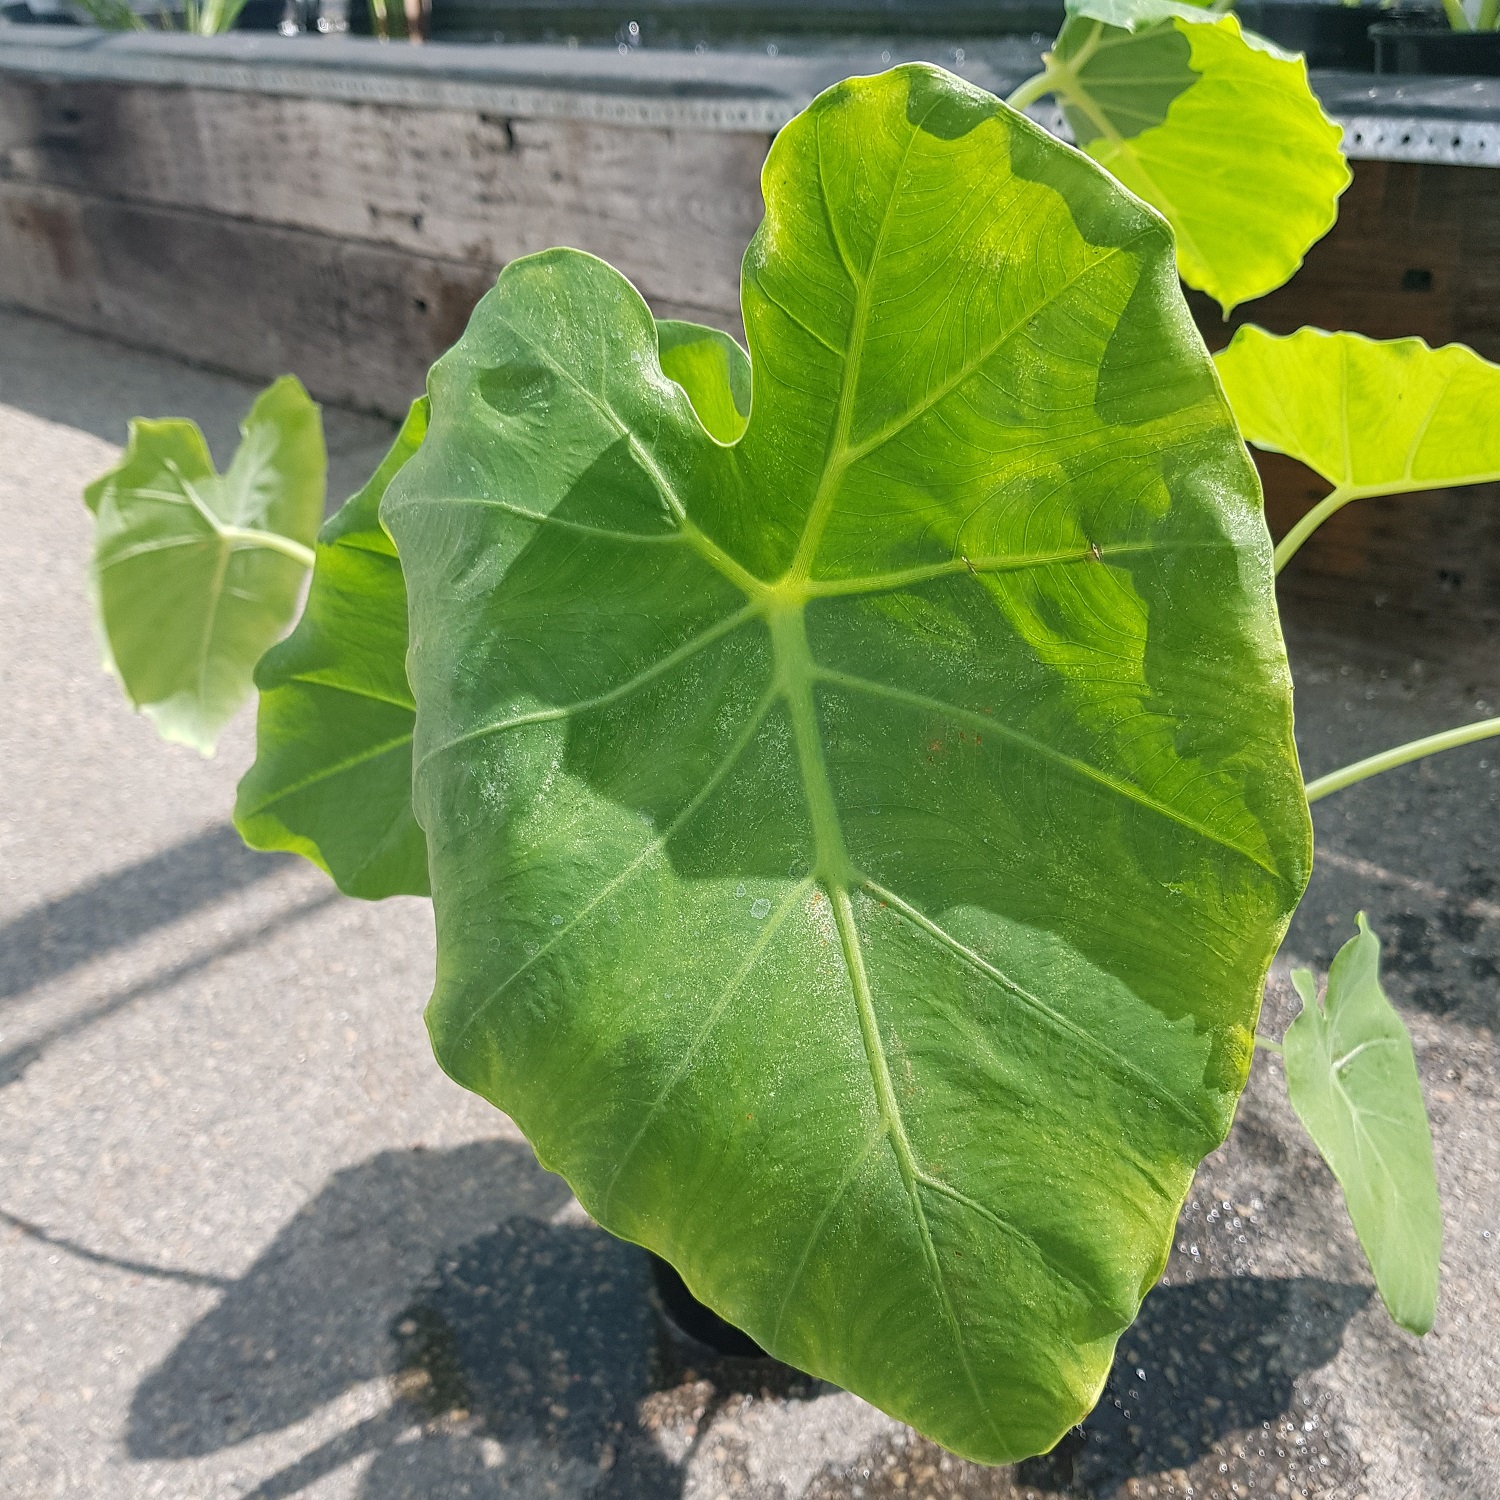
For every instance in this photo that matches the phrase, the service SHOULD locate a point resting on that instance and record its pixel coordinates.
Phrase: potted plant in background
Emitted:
(1461, 38)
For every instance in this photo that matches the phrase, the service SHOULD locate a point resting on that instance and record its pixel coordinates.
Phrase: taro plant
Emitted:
(855, 778)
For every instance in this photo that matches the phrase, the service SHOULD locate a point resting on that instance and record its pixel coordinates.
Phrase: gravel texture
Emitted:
(252, 1243)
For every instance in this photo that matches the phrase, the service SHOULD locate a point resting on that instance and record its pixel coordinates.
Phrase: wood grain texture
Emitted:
(358, 322)
(672, 209)
(348, 242)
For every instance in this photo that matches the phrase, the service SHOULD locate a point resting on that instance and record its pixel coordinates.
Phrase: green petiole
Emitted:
(1288, 547)
(1034, 87)
(1388, 760)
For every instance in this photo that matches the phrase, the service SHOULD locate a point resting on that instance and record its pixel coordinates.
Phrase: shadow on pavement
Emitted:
(115, 909)
(1202, 1362)
(540, 1339)
(522, 1355)
(14, 1061)
(311, 1318)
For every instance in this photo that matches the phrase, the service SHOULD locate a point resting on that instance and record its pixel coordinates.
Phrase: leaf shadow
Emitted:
(520, 1354)
(1203, 1361)
(51, 939)
(308, 1321)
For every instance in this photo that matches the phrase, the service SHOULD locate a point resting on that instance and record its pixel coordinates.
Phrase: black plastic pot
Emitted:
(1331, 36)
(23, 15)
(1403, 47)
(698, 1330)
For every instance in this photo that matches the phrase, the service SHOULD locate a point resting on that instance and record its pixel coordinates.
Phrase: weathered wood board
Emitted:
(673, 208)
(347, 240)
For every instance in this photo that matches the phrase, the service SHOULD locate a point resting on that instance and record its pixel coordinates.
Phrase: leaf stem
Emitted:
(1288, 547)
(272, 540)
(1387, 760)
(1034, 87)
(1264, 1043)
(1457, 20)
(1056, 77)
(1489, 16)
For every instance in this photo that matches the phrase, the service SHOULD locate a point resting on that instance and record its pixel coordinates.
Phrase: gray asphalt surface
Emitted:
(253, 1243)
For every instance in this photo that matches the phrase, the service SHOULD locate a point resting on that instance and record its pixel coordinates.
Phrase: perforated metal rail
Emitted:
(1454, 121)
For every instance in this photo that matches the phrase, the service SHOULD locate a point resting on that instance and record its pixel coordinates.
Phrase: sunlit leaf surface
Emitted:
(857, 850)
(1214, 127)
(332, 772)
(332, 775)
(1372, 416)
(196, 573)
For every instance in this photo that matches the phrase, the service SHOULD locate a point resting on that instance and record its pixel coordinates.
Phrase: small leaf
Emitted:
(712, 369)
(194, 573)
(1352, 1078)
(332, 773)
(1372, 416)
(1216, 128)
(857, 850)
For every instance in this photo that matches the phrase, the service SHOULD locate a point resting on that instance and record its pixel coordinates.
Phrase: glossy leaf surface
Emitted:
(332, 772)
(1214, 127)
(332, 775)
(1352, 1078)
(1372, 416)
(196, 573)
(857, 851)
(712, 369)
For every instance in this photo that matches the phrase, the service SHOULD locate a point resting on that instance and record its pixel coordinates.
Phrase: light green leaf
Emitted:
(1372, 417)
(196, 573)
(1134, 15)
(1352, 1078)
(1216, 128)
(857, 851)
(332, 773)
(712, 369)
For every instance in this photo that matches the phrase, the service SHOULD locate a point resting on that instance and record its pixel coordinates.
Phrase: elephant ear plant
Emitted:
(859, 818)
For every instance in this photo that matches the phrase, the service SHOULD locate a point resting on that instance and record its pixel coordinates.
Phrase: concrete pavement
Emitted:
(253, 1243)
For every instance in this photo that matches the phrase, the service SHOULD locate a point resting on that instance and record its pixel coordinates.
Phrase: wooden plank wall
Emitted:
(349, 241)
(345, 241)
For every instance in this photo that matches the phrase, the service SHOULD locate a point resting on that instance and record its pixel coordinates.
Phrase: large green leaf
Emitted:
(1214, 127)
(332, 773)
(196, 573)
(857, 851)
(1372, 417)
(1352, 1078)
